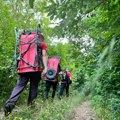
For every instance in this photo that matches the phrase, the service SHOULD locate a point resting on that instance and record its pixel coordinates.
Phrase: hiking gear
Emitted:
(16, 46)
(30, 52)
(69, 81)
(39, 32)
(65, 77)
(53, 69)
(29, 48)
(51, 74)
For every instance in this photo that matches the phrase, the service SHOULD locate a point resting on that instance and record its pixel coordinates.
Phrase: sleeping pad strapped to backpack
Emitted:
(53, 69)
(30, 53)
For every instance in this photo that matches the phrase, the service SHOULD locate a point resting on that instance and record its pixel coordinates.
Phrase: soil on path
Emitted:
(1, 115)
(85, 112)
(82, 112)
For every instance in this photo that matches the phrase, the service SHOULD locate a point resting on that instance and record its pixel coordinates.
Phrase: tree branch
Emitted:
(97, 5)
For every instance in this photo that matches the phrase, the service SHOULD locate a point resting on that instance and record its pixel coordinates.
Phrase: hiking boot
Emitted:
(52, 99)
(45, 97)
(8, 109)
(59, 97)
(31, 104)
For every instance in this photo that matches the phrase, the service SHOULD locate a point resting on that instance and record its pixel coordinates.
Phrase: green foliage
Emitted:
(96, 70)
(100, 68)
(63, 51)
(107, 108)
(106, 82)
(31, 2)
(6, 50)
(79, 79)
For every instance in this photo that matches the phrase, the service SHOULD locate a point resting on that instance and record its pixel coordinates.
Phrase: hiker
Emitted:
(66, 80)
(32, 49)
(52, 76)
(50, 84)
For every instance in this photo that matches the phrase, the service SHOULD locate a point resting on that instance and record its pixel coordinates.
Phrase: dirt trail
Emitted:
(1, 115)
(85, 112)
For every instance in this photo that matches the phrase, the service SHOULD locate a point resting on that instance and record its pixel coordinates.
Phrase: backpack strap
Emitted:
(38, 52)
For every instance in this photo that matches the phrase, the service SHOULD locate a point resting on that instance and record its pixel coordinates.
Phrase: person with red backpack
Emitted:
(51, 76)
(32, 50)
(66, 80)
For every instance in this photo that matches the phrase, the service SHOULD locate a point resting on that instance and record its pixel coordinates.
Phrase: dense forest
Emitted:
(85, 34)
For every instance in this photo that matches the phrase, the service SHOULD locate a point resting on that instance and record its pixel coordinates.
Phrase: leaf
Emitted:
(31, 2)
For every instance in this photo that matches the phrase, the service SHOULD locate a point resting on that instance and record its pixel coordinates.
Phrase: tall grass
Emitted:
(105, 84)
(47, 110)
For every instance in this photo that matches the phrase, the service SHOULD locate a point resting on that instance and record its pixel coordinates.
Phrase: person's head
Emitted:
(40, 36)
(67, 69)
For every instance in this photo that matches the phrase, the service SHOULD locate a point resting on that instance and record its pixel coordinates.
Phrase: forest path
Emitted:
(1, 114)
(82, 112)
(85, 112)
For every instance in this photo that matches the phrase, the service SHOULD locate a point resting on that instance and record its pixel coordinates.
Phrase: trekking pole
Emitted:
(38, 29)
(16, 45)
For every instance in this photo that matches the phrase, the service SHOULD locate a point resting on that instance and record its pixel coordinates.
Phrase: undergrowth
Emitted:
(47, 110)
(107, 109)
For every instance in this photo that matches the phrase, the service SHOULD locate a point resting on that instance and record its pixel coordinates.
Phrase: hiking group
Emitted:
(32, 64)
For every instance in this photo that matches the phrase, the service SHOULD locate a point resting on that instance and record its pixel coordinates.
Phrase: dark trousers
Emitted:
(34, 78)
(62, 88)
(48, 86)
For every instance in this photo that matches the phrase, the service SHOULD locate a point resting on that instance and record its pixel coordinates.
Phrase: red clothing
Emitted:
(23, 67)
(69, 75)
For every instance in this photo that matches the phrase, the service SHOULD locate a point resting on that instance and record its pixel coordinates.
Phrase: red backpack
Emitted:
(53, 69)
(30, 53)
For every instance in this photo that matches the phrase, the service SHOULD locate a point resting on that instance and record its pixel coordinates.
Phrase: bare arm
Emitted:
(45, 61)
